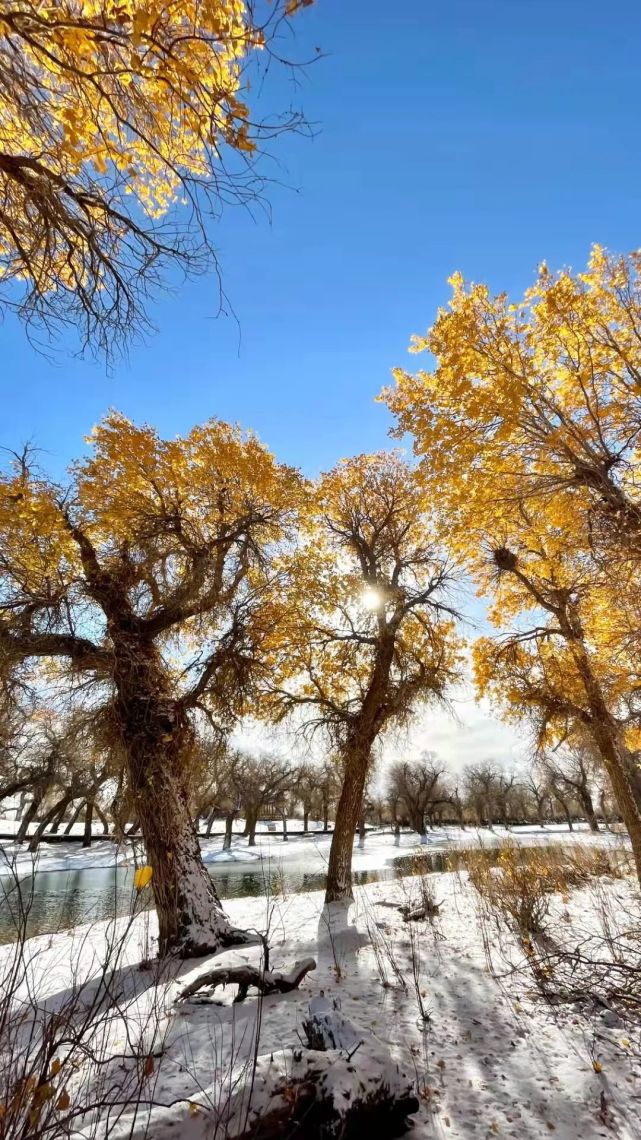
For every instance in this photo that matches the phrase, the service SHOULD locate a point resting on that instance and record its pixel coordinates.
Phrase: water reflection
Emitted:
(58, 900)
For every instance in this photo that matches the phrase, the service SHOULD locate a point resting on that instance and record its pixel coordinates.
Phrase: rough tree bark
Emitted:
(157, 737)
(28, 816)
(607, 738)
(339, 869)
(86, 835)
(250, 827)
(229, 829)
(60, 805)
(588, 807)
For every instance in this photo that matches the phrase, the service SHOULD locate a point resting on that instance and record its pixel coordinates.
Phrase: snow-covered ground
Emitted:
(309, 850)
(493, 1060)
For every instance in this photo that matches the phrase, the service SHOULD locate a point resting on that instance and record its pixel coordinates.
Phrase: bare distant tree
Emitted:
(571, 772)
(415, 787)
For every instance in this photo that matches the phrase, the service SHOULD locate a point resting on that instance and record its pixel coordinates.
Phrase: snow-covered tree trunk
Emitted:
(157, 738)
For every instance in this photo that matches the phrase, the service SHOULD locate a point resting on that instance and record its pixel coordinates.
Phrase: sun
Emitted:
(371, 599)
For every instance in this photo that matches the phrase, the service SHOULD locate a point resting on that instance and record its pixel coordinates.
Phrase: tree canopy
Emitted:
(124, 126)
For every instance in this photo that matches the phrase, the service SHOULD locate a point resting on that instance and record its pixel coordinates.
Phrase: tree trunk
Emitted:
(229, 829)
(86, 835)
(588, 807)
(325, 816)
(339, 869)
(210, 823)
(616, 760)
(305, 819)
(156, 735)
(28, 816)
(250, 827)
(58, 820)
(74, 817)
(285, 835)
(46, 820)
(566, 812)
(103, 818)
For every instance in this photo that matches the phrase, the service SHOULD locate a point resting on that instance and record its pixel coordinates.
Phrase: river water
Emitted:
(50, 901)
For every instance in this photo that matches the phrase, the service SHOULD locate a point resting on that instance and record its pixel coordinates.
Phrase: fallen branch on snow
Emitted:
(265, 981)
(413, 913)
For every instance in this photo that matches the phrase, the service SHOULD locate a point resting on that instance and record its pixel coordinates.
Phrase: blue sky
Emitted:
(481, 136)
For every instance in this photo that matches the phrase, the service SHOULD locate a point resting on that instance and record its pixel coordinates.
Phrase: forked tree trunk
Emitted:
(566, 812)
(58, 820)
(157, 739)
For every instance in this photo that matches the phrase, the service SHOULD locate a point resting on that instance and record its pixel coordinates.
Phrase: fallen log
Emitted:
(413, 913)
(265, 981)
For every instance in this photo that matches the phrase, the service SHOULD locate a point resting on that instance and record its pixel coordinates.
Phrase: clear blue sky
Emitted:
(483, 135)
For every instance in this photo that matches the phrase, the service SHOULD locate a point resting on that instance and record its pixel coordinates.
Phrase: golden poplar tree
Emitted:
(141, 590)
(365, 633)
(124, 126)
(528, 429)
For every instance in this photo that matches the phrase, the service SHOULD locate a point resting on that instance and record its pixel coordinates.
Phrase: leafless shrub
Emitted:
(594, 957)
(61, 1067)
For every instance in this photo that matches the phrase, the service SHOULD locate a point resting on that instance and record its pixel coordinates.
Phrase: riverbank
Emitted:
(312, 848)
(491, 1058)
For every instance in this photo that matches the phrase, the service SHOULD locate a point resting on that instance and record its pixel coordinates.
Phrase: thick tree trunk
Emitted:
(157, 738)
(250, 827)
(588, 807)
(28, 816)
(210, 823)
(616, 760)
(229, 829)
(46, 820)
(339, 869)
(86, 835)
(284, 819)
(305, 820)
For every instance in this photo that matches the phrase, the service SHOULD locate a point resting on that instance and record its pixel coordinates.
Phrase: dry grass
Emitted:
(516, 882)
